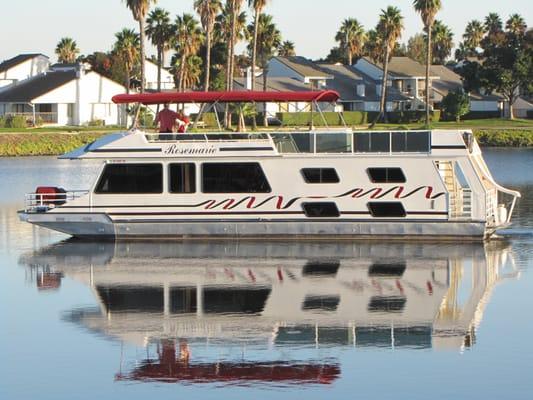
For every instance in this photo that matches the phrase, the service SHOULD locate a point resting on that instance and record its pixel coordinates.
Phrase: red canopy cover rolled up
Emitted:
(328, 96)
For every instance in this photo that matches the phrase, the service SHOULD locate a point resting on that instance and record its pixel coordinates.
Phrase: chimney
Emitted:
(249, 78)
(361, 89)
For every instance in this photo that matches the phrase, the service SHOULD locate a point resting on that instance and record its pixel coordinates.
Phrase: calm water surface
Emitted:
(262, 320)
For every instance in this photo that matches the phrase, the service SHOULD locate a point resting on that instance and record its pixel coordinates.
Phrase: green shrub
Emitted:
(96, 122)
(505, 138)
(2, 122)
(331, 118)
(456, 104)
(16, 121)
(407, 117)
(482, 115)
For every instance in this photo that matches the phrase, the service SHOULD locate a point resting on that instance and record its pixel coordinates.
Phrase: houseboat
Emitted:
(312, 183)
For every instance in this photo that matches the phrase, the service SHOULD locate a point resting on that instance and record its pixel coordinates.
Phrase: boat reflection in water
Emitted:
(274, 312)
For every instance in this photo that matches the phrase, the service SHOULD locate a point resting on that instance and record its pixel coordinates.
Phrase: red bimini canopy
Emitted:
(328, 96)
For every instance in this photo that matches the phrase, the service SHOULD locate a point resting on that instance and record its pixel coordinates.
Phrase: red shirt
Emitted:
(185, 121)
(166, 119)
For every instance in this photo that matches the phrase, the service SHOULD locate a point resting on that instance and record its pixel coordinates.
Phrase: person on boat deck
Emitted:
(167, 119)
(183, 122)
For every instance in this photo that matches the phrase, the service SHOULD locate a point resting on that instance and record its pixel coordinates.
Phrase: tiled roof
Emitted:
(403, 67)
(12, 62)
(303, 66)
(29, 89)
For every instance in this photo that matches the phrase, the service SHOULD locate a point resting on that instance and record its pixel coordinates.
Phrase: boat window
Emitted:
(321, 210)
(320, 175)
(372, 142)
(131, 298)
(387, 209)
(130, 179)
(384, 269)
(234, 178)
(333, 143)
(321, 268)
(386, 175)
(321, 303)
(387, 304)
(410, 142)
(235, 300)
(182, 178)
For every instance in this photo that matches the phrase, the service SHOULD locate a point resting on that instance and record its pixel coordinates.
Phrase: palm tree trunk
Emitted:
(383, 102)
(208, 58)
(265, 77)
(254, 61)
(182, 73)
(159, 51)
(428, 64)
(142, 34)
(350, 58)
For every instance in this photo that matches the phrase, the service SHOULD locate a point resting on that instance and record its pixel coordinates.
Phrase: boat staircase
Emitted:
(459, 196)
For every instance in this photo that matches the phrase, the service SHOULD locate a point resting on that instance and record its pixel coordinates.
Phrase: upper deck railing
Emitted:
(384, 142)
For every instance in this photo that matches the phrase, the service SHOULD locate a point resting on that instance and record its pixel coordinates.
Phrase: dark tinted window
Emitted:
(131, 178)
(387, 209)
(410, 141)
(383, 269)
(322, 303)
(387, 304)
(321, 210)
(183, 300)
(131, 298)
(320, 175)
(386, 175)
(182, 178)
(321, 268)
(235, 300)
(380, 142)
(234, 178)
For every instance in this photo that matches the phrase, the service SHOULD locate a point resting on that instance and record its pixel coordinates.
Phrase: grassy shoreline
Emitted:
(56, 141)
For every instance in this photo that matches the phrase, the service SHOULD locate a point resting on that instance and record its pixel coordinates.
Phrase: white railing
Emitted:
(41, 202)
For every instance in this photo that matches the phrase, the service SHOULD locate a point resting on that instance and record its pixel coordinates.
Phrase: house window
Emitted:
(320, 175)
(321, 210)
(182, 178)
(386, 175)
(131, 179)
(44, 108)
(387, 210)
(234, 178)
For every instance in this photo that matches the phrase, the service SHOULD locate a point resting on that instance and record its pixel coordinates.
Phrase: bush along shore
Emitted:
(51, 144)
(43, 144)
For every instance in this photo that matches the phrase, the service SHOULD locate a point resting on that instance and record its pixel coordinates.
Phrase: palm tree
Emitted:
(190, 72)
(389, 29)
(257, 6)
(127, 49)
(139, 9)
(473, 35)
(351, 37)
(188, 39)
(442, 42)
(159, 31)
(374, 46)
(268, 41)
(286, 49)
(427, 9)
(208, 10)
(493, 24)
(516, 25)
(67, 50)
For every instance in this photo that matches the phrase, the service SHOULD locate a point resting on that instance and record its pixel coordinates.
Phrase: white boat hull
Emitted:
(92, 225)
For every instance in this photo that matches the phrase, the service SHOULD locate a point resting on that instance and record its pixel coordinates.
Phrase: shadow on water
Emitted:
(272, 313)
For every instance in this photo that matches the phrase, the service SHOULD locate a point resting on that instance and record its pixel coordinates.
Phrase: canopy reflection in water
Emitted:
(235, 312)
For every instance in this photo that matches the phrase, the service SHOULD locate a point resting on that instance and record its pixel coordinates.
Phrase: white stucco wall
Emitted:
(167, 80)
(24, 70)
(91, 94)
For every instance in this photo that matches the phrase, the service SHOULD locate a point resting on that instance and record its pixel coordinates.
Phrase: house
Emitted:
(359, 92)
(300, 69)
(523, 107)
(167, 79)
(66, 94)
(22, 67)
(450, 81)
(280, 84)
(405, 75)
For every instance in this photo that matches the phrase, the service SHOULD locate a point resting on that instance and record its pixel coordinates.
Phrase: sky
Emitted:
(37, 25)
